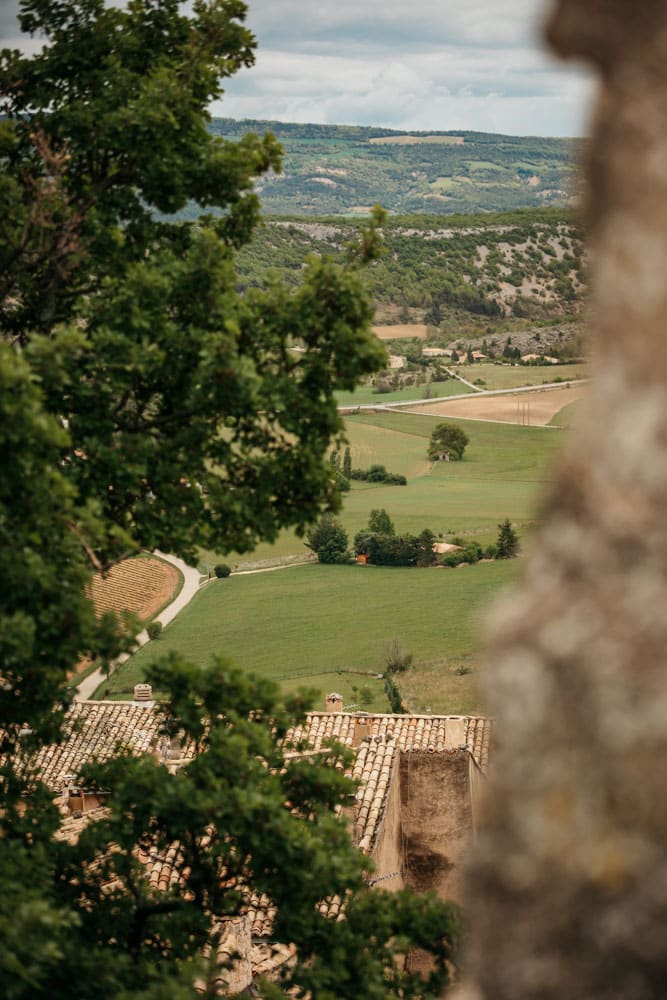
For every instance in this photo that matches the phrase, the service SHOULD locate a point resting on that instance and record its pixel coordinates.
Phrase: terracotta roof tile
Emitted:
(97, 729)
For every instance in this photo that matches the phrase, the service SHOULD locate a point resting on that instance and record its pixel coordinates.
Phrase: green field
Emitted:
(327, 627)
(511, 376)
(365, 395)
(505, 469)
(566, 417)
(310, 625)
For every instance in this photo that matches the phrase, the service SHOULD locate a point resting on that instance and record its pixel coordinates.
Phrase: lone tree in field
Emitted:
(507, 544)
(132, 373)
(448, 442)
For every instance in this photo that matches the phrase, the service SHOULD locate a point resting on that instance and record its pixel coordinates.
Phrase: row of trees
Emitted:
(383, 547)
(132, 374)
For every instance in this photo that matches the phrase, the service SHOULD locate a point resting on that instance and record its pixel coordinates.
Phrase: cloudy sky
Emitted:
(424, 64)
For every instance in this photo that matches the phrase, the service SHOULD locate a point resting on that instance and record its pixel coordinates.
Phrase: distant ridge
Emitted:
(344, 169)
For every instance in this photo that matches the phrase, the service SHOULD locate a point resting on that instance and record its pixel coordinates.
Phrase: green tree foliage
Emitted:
(154, 629)
(328, 540)
(131, 321)
(507, 543)
(347, 463)
(144, 403)
(447, 439)
(378, 474)
(380, 523)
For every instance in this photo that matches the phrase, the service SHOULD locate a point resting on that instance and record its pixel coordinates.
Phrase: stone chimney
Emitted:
(362, 729)
(143, 692)
(455, 734)
(333, 702)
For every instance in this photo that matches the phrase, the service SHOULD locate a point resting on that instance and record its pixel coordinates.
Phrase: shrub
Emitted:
(381, 386)
(491, 551)
(473, 552)
(453, 559)
(378, 474)
(394, 696)
(154, 629)
(222, 570)
(396, 659)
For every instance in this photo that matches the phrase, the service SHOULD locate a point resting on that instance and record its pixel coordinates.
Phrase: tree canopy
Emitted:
(507, 543)
(447, 440)
(328, 540)
(145, 403)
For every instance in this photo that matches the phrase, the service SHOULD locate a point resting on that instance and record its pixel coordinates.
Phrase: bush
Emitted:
(491, 551)
(222, 571)
(378, 474)
(396, 659)
(473, 552)
(154, 629)
(394, 696)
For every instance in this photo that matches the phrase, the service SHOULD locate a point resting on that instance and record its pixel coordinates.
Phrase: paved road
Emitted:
(546, 387)
(192, 580)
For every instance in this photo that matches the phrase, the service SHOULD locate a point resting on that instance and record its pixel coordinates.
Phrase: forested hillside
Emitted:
(454, 273)
(342, 170)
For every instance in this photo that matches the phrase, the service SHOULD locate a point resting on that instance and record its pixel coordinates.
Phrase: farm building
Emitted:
(436, 352)
(414, 812)
(397, 361)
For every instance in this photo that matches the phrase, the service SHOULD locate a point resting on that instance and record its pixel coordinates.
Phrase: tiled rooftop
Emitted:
(97, 729)
(409, 732)
(382, 738)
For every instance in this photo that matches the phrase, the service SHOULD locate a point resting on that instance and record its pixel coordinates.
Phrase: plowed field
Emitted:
(401, 330)
(536, 408)
(141, 586)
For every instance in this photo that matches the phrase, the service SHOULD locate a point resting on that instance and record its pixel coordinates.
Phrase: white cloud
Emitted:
(429, 64)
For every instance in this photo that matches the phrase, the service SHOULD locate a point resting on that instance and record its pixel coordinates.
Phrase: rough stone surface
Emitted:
(569, 884)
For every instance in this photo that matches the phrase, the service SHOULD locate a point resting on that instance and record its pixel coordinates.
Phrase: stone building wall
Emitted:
(388, 853)
(436, 820)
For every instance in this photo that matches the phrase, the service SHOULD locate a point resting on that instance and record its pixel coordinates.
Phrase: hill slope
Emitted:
(456, 273)
(339, 170)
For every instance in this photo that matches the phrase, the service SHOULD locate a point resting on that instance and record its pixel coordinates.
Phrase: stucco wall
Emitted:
(388, 850)
(436, 819)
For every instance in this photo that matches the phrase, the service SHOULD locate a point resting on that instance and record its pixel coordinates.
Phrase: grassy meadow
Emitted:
(515, 376)
(328, 627)
(365, 395)
(504, 471)
(310, 626)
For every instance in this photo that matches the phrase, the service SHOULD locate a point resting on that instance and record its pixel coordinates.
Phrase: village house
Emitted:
(414, 812)
(397, 361)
